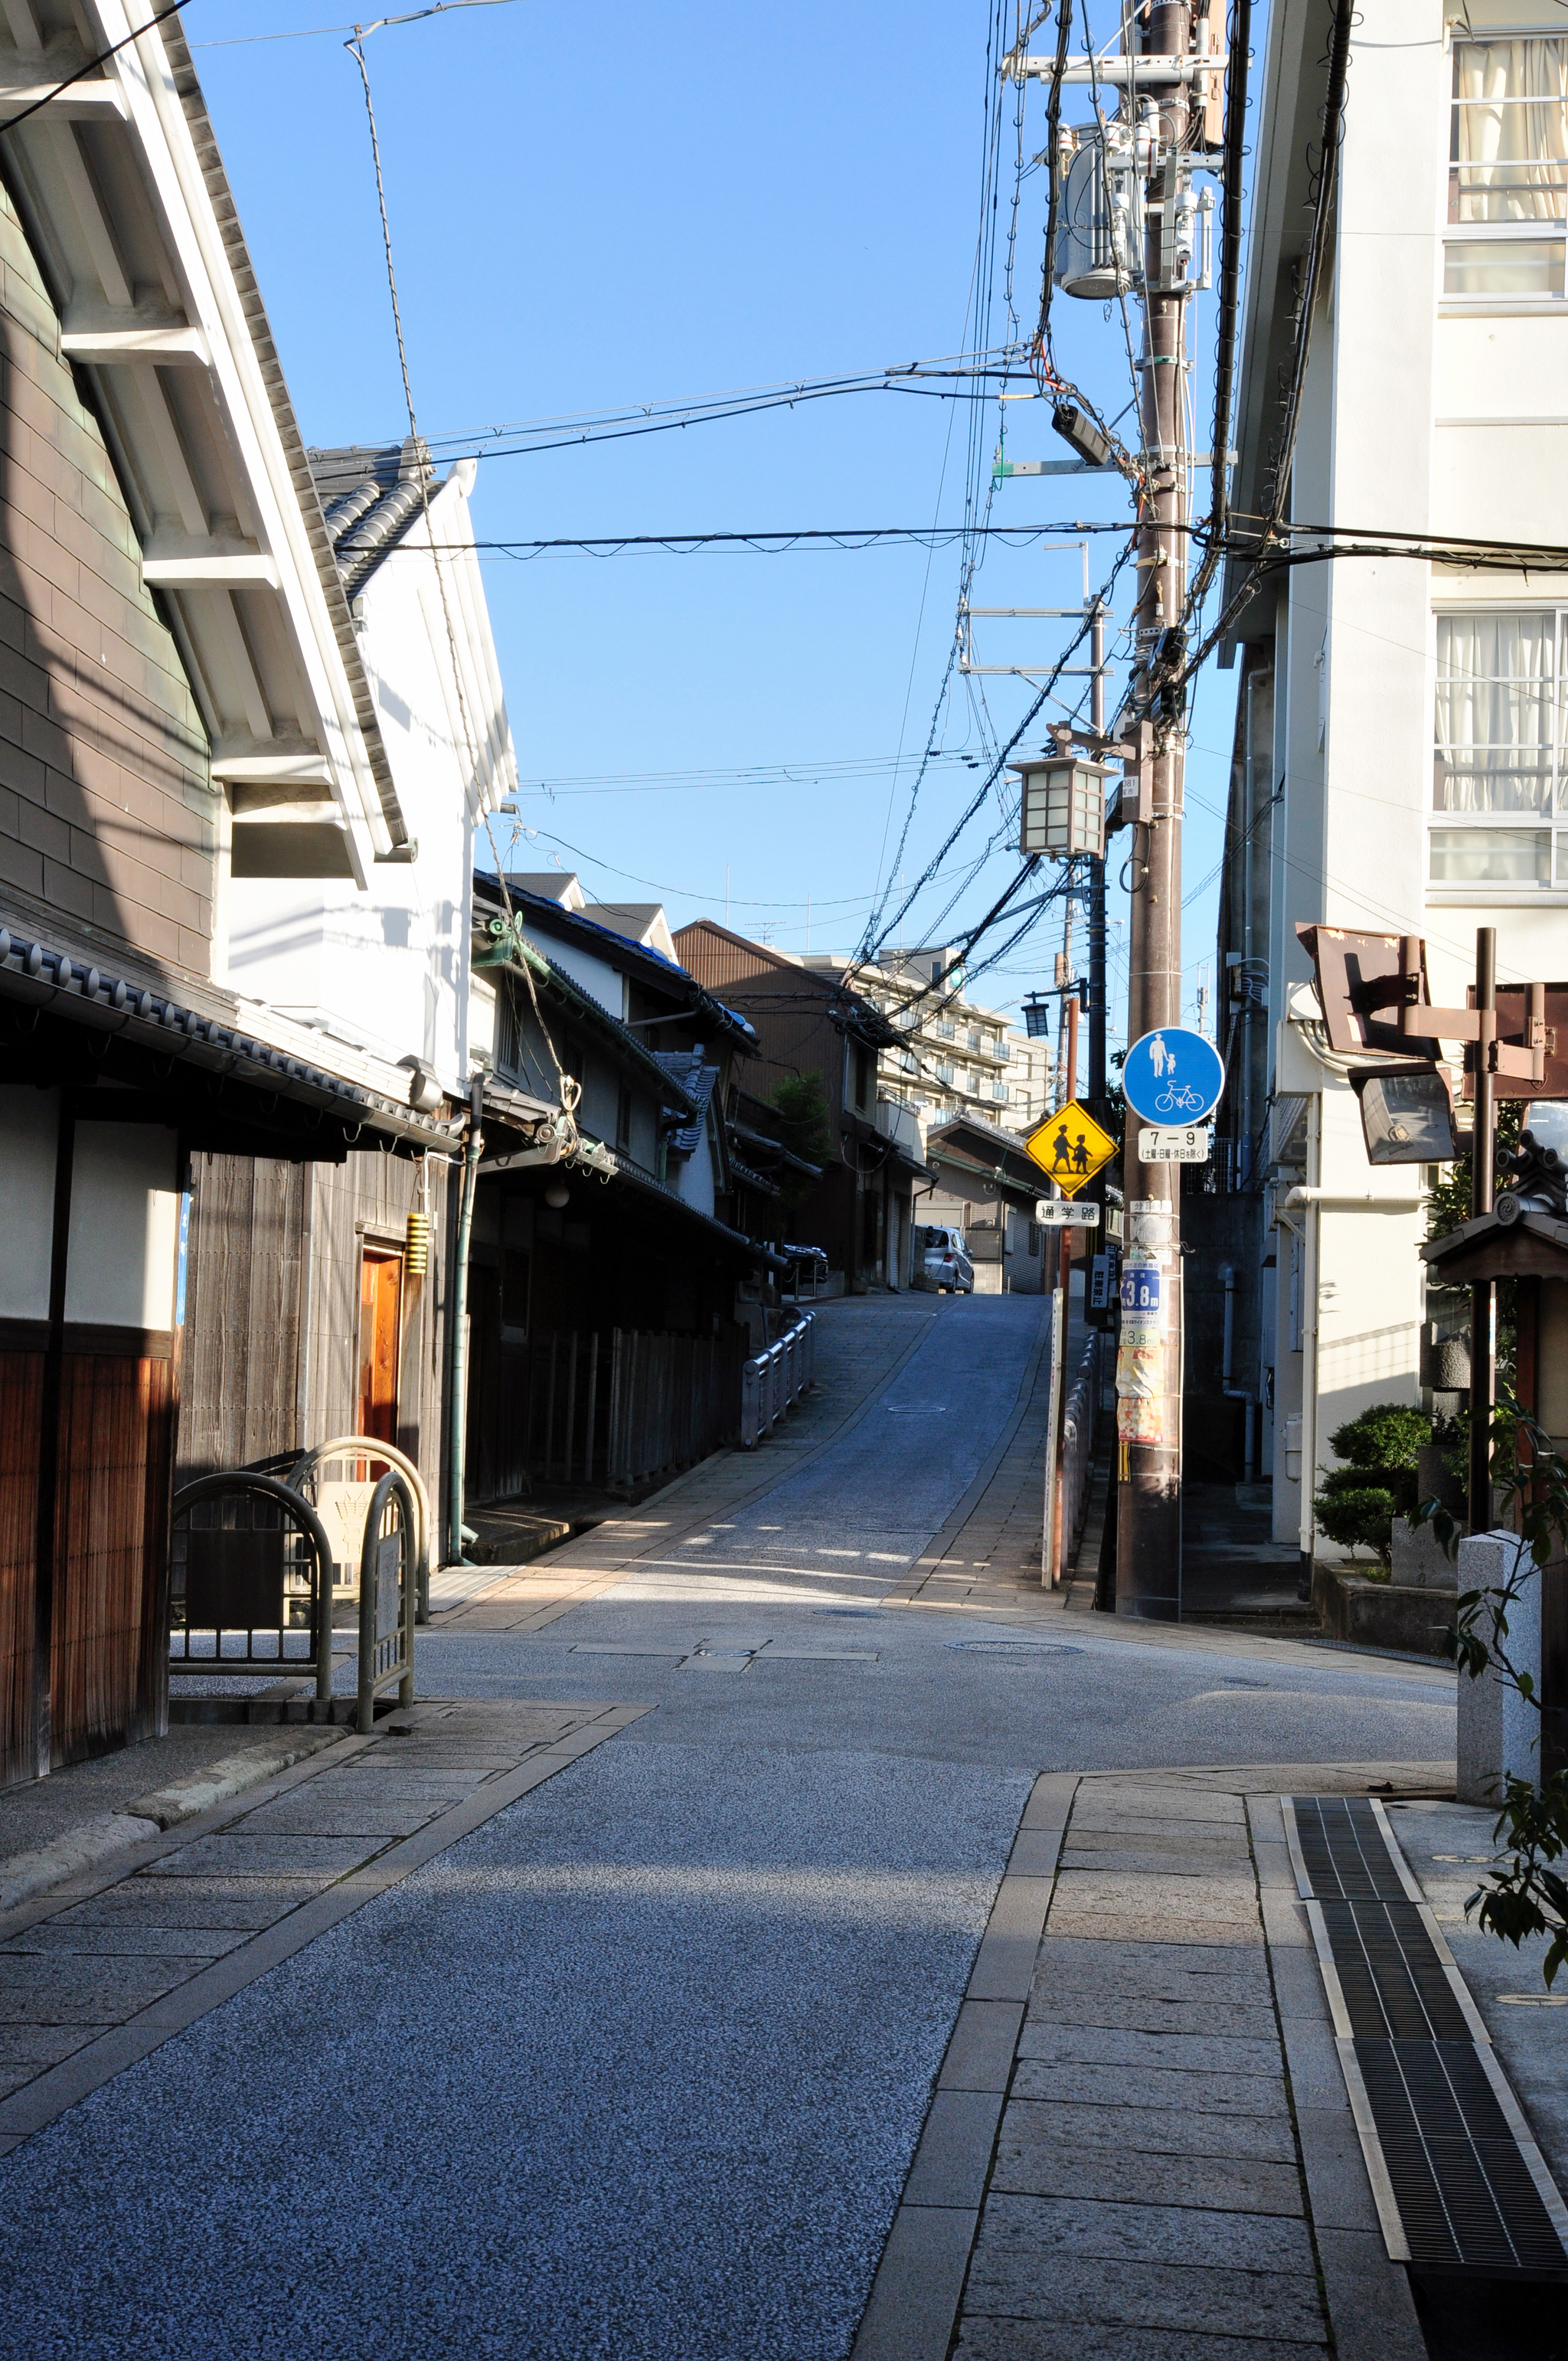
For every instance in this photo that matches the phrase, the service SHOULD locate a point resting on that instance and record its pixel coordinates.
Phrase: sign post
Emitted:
(1173, 1080)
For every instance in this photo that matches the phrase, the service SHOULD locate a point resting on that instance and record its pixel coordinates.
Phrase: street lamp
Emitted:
(1062, 805)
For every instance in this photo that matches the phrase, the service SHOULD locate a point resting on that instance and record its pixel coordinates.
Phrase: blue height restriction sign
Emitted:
(1173, 1077)
(1140, 1291)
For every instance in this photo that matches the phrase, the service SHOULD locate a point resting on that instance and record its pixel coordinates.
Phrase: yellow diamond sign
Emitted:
(1071, 1146)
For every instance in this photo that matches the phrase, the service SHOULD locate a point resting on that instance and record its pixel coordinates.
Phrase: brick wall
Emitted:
(106, 813)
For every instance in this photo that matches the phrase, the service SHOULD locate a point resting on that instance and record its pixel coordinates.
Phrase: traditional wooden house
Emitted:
(207, 748)
(607, 1280)
(808, 1022)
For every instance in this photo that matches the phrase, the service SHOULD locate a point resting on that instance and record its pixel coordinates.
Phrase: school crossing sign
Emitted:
(1173, 1077)
(1071, 1146)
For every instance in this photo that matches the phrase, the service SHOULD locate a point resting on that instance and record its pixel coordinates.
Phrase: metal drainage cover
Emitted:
(1460, 2184)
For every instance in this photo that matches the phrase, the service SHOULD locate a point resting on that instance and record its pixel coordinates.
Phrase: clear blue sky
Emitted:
(715, 200)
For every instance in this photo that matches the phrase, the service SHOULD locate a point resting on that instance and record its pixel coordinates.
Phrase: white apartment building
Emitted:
(1402, 739)
(960, 1058)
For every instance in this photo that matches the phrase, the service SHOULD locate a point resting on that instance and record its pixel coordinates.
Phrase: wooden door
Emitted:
(380, 1338)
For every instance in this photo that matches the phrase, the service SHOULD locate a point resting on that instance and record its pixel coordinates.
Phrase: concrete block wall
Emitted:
(107, 812)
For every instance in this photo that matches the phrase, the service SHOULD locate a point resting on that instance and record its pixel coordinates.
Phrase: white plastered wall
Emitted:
(388, 968)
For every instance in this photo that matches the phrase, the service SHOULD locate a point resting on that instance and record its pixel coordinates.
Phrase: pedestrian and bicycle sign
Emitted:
(1173, 1078)
(1071, 1146)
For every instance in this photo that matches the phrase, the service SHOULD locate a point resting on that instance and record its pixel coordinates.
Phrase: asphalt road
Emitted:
(636, 2070)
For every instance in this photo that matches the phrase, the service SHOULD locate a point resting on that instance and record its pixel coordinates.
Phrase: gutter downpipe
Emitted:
(458, 1331)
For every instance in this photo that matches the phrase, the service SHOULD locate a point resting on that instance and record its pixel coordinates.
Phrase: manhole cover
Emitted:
(1013, 1648)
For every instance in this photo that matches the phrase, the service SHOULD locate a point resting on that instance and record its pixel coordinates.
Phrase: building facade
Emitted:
(1400, 728)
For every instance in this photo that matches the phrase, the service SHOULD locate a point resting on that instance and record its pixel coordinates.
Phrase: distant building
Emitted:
(953, 1056)
(808, 1020)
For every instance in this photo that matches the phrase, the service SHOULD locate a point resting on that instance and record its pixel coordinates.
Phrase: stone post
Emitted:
(1500, 1734)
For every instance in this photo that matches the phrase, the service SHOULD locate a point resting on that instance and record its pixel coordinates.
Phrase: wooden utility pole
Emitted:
(1148, 1508)
(1062, 1309)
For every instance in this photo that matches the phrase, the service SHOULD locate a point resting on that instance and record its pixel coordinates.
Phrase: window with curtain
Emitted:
(1507, 174)
(1500, 773)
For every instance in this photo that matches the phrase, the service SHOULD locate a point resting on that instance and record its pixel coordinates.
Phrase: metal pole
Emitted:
(1482, 1335)
(458, 1331)
(1059, 1331)
(1148, 1519)
(1096, 1091)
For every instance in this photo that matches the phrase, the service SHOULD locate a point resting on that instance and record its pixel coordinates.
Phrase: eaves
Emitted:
(513, 950)
(62, 986)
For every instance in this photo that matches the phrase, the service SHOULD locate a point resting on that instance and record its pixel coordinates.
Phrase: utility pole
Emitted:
(1060, 1309)
(1148, 1507)
(1482, 1296)
(1098, 1104)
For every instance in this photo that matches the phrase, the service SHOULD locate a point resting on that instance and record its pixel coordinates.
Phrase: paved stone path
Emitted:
(102, 1970)
(1141, 2146)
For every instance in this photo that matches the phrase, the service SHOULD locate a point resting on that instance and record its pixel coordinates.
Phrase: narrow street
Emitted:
(638, 2066)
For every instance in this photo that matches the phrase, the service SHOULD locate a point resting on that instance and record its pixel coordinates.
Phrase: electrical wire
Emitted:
(568, 1089)
(846, 537)
(82, 72)
(314, 32)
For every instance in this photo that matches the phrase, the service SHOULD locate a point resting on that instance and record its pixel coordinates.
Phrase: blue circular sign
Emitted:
(1173, 1077)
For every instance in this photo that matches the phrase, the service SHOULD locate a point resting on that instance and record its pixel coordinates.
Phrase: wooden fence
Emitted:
(616, 1409)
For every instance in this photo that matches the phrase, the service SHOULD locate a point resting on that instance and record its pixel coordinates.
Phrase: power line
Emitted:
(314, 32)
(102, 58)
(770, 544)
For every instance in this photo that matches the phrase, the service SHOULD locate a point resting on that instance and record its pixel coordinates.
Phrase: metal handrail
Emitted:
(367, 1446)
(773, 1381)
(293, 1504)
(375, 1672)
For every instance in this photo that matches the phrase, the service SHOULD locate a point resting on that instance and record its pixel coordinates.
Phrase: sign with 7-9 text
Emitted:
(1156, 1146)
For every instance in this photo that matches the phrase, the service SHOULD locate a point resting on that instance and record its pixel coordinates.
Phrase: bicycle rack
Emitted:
(240, 1575)
(389, 1590)
(343, 1508)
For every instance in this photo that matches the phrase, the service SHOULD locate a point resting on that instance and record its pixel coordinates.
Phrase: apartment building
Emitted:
(1401, 727)
(954, 1058)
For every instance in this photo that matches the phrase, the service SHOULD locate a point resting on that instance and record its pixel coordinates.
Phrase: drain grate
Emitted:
(1460, 2182)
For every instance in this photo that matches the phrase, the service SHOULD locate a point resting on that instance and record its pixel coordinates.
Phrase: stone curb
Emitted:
(95, 1840)
(914, 2298)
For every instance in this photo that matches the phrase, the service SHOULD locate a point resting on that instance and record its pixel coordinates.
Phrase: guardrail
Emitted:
(389, 1595)
(343, 1503)
(775, 1380)
(255, 1564)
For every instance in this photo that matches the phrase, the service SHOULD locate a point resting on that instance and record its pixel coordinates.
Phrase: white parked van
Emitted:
(941, 1261)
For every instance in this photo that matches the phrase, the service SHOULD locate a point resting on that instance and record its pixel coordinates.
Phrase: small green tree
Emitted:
(1357, 1504)
(807, 1130)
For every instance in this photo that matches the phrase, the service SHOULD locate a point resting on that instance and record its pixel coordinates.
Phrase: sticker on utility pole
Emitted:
(1194, 1145)
(1071, 1146)
(1173, 1076)
(1141, 1355)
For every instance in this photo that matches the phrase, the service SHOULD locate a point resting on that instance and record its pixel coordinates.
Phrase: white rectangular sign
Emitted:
(1067, 1214)
(1192, 1146)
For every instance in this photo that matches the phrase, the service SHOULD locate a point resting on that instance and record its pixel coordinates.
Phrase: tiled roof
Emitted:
(685, 1066)
(371, 494)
